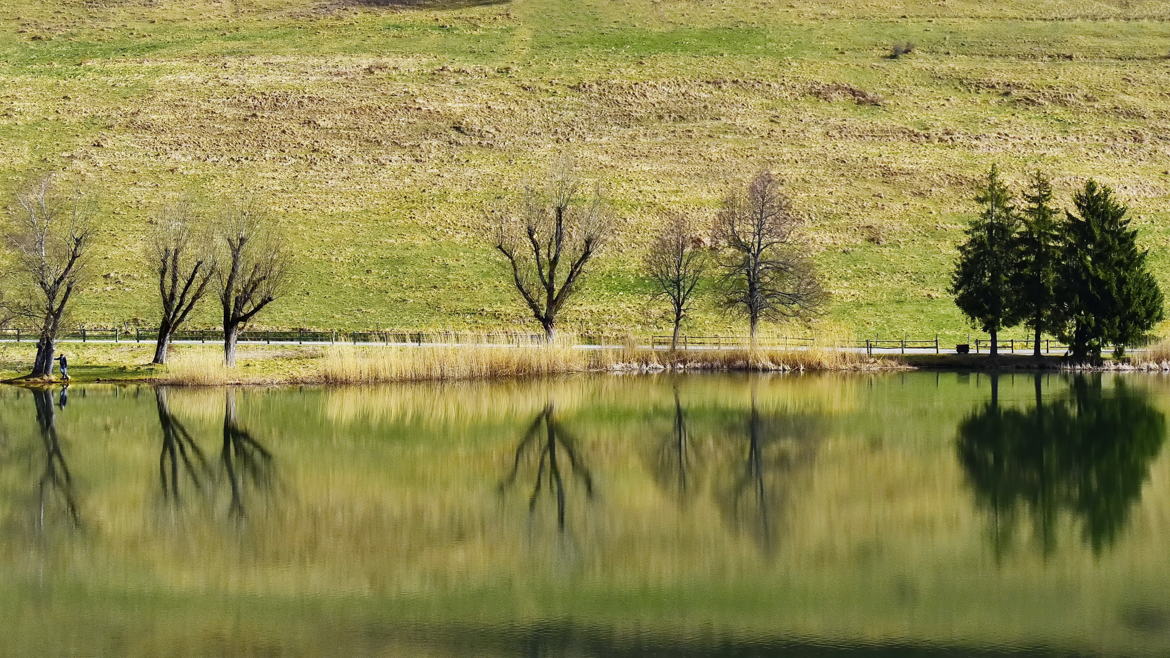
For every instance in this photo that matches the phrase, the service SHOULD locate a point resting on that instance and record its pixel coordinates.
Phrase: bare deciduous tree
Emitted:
(676, 262)
(548, 240)
(48, 239)
(183, 257)
(254, 272)
(766, 272)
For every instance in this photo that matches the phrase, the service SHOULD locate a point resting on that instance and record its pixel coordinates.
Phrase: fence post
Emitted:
(18, 334)
(903, 346)
(936, 349)
(868, 348)
(1012, 345)
(83, 334)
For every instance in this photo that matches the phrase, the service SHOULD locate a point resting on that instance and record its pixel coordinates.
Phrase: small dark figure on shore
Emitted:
(64, 363)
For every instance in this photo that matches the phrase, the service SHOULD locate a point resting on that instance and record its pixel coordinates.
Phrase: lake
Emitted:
(591, 515)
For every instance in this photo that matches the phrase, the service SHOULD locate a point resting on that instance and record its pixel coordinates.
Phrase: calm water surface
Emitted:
(610, 515)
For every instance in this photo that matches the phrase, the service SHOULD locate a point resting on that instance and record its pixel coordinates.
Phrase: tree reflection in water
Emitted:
(765, 473)
(180, 456)
(1087, 455)
(541, 448)
(244, 461)
(55, 486)
(672, 462)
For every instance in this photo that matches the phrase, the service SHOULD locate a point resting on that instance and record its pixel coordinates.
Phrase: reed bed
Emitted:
(351, 365)
(198, 368)
(1156, 354)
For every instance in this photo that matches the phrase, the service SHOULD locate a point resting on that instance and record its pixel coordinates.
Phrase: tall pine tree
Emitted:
(1109, 295)
(1038, 255)
(983, 276)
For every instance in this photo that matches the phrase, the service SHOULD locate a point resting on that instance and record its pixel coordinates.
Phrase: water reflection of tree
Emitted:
(180, 457)
(1087, 455)
(245, 463)
(55, 486)
(765, 470)
(672, 460)
(541, 448)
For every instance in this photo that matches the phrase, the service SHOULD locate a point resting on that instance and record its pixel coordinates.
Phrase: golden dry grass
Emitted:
(354, 365)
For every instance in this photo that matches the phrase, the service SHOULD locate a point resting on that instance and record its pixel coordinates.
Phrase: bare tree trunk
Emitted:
(231, 334)
(162, 346)
(550, 330)
(994, 342)
(674, 337)
(1036, 345)
(754, 323)
(43, 364)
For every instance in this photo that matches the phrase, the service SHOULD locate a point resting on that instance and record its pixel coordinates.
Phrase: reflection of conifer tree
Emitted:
(1087, 456)
(180, 455)
(778, 449)
(56, 482)
(542, 445)
(671, 461)
(245, 462)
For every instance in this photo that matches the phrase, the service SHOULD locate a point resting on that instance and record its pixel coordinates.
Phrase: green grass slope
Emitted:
(377, 134)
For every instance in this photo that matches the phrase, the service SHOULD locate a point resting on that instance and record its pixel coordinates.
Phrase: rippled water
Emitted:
(609, 515)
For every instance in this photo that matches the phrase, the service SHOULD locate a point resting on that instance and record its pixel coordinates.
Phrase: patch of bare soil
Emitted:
(837, 91)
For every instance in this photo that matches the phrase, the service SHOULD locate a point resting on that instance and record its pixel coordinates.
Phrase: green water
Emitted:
(601, 515)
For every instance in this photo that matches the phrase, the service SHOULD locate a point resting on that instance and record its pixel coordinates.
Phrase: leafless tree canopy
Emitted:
(48, 239)
(676, 261)
(548, 239)
(766, 272)
(183, 257)
(254, 272)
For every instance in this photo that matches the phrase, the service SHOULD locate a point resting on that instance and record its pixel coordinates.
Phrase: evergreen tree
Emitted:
(983, 276)
(1109, 295)
(1038, 256)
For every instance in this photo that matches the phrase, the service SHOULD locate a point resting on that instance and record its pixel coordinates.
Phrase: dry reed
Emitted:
(356, 365)
(198, 368)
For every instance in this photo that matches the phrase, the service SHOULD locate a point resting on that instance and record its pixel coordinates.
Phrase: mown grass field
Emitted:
(377, 134)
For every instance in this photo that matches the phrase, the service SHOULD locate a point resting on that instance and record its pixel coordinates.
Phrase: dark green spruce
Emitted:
(1108, 294)
(1037, 253)
(983, 278)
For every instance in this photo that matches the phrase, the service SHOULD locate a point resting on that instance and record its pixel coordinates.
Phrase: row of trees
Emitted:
(238, 253)
(1080, 276)
(552, 233)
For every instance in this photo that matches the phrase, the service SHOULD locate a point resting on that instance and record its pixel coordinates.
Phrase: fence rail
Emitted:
(398, 337)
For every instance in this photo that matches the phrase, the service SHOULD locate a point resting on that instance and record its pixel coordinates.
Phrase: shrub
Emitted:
(903, 48)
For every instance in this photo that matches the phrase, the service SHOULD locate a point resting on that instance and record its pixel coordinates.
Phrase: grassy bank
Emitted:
(197, 365)
(385, 131)
(265, 364)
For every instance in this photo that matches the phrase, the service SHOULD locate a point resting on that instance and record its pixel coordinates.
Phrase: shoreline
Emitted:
(344, 365)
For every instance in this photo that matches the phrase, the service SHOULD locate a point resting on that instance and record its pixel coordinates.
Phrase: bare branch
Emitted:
(765, 269)
(255, 271)
(48, 240)
(546, 228)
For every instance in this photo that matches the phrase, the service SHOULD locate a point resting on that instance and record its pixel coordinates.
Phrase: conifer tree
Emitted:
(1108, 293)
(1038, 255)
(983, 276)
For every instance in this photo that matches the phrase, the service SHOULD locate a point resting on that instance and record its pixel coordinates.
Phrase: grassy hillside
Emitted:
(377, 134)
